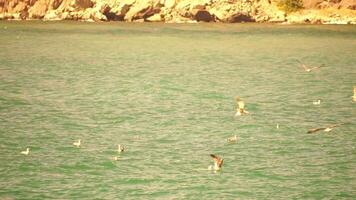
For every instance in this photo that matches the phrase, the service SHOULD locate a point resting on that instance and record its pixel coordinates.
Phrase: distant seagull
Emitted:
(240, 110)
(120, 148)
(317, 102)
(77, 144)
(354, 97)
(307, 69)
(116, 158)
(232, 139)
(277, 126)
(217, 163)
(326, 129)
(26, 152)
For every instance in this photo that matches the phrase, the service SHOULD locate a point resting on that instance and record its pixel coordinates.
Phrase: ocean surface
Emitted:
(167, 93)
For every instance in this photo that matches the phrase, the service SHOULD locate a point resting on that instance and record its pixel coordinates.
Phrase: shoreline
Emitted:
(187, 22)
(179, 11)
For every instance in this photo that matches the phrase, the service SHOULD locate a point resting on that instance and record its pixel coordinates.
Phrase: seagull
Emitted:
(26, 152)
(354, 97)
(120, 148)
(326, 129)
(307, 69)
(217, 163)
(115, 158)
(277, 126)
(232, 139)
(77, 144)
(241, 107)
(317, 102)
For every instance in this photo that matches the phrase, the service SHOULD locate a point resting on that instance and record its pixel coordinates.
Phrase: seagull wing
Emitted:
(313, 130)
(302, 65)
(336, 125)
(317, 67)
(220, 163)
(305, 67)
(217, 160)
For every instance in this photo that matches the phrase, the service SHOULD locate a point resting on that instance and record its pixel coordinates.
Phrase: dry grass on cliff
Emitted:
(290, 6)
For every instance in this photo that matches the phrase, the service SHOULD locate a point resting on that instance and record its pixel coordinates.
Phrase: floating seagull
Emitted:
(241, 107)
(26, 152)
(120, 148)
(354, 97)
(326, 129)
(307, 69)
(317, 102)
(217, 163)
(277, 126)
(77, 144)
(116, 158)
(232, 139)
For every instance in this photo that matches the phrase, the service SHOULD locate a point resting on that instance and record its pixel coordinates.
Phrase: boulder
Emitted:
(81, 4)
(52, 15)
(240, 17)
(155, 18)
(38, 10)
(142, 10)
(220, 14)
(169, 3)
(75, 5)
(119, 10)
(202, 15)
(349, 4)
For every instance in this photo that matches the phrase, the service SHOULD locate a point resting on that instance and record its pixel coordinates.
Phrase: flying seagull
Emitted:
(240, 110)
(232, 139)
(217, 163)
(120, 148)
(26, 152)
(307, 69)
(326, 129)
(354, 97)
(77, 144)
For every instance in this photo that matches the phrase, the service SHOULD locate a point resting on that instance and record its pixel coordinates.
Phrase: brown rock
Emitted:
(38, 10)
(239, 17)
(349, 4)
(155, 18)
(141, 10)
(169, 3)
(202, 15)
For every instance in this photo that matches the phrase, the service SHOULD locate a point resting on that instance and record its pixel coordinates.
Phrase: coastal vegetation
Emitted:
(290, 5)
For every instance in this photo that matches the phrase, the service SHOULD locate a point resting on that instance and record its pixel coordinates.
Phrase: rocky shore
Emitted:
(180, 11)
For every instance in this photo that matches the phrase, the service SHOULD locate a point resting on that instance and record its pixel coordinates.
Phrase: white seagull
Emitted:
(115, 158)
(217, 163)
(317, 102)
(120, 148)
(77, 144)
(307, 69)
(326, 129)
(232, 139)
(240, 110)
(26, 152)
(354, 97)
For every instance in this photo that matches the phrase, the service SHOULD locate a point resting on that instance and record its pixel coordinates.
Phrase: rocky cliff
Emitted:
(178, 11)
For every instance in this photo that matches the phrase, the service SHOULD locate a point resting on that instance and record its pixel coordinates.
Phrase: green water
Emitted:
(166, 92)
